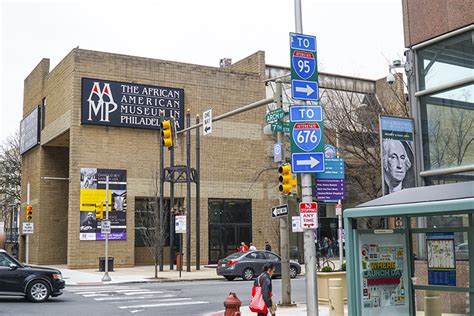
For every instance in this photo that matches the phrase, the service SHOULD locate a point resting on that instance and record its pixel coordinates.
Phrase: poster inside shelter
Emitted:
(93, 191)
(441, 260)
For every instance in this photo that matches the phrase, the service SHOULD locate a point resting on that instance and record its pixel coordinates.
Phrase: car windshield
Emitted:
(234, 255)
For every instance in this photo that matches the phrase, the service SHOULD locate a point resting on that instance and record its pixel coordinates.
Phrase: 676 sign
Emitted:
(307, 137)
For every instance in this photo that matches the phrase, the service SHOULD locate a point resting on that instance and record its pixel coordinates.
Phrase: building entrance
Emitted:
(230, 223)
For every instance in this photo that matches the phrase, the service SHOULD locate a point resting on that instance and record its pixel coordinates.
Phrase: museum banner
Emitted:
(93, 191)
(111, 103)
(397, 153)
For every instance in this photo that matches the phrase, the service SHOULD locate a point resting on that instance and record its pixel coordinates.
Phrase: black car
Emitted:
(249, 264)
(36, 283)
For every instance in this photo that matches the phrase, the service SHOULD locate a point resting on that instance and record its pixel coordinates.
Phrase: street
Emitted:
(165, 298)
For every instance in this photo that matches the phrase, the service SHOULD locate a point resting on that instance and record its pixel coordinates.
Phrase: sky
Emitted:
(354, 37)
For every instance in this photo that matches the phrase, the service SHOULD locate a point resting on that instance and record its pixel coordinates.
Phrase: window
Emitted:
(43, 112)
(5, 261)
(272, 257)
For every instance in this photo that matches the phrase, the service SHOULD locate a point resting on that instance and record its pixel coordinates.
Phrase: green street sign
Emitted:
(307, 137)
(283, 127)
(274, 116)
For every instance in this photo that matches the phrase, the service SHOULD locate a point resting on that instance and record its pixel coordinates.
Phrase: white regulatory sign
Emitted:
(180, 224)
(28, 228)
(207, 122)
(296, 224)
(105, 227)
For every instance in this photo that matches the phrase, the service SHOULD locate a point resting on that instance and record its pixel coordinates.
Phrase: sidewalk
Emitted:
(300, 309)
(138, 274)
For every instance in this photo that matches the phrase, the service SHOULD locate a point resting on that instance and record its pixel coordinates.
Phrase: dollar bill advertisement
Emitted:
(93, 192)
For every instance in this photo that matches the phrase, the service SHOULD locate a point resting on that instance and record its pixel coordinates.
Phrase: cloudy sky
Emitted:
(355, 37)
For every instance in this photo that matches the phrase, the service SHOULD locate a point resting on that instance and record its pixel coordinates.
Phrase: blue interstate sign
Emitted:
(304, 63)
(306, 113)
(307, 162)
(307, 136)
(302, 42)
(304, 90)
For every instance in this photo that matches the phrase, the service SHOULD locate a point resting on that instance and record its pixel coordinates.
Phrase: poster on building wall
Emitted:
(30, 131)
(383, 272)
(106, 102)
(441, 260)
(397, 153)
(93, 191)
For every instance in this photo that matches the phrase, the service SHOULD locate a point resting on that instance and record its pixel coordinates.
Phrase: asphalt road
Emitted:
(170, 298)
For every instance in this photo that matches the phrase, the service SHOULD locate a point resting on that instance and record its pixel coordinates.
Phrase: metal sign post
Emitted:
(27, 238)
(106, 276)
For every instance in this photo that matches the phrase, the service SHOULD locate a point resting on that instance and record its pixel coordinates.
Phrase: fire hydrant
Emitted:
(232, 305)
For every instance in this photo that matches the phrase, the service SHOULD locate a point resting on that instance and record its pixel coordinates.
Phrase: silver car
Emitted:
(249, 264)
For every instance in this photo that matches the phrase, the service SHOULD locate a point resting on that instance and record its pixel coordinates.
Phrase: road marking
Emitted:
(107, 291)
(137, 310)
(163, 304)
(145, 292)
(118, 298)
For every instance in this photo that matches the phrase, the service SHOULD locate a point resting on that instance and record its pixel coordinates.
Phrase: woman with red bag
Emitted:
(261, 302)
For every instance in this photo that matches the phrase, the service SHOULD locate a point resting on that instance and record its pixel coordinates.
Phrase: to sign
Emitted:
(309, 215)
(207, 122)
(279, 211)
(28, 228)
(304, 67)
(180, 224)
(105, 227)
(306, 113)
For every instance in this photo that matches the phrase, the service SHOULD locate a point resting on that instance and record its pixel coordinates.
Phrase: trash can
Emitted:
(102, 264)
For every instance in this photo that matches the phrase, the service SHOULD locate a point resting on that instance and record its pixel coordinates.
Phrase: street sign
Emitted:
(280, 211)
(296, 224)
(334, 169)
(28, 228)
(105, 227)
(207, 122)
(330, 151)
(283, 127)
(306, 113)
(309, 215)
(180, 224)
(307, 162)
(330, 189)
(274, 116)
(302, 42)
(338, 209)
(277, 153)
(307, 136)
(304, 90)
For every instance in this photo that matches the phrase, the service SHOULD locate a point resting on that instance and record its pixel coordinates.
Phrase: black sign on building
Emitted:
(122, 104)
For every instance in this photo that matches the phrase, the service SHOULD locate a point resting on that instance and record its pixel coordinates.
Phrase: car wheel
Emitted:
(38, 291)
(248, 274)
(293, 272)
(230, 278)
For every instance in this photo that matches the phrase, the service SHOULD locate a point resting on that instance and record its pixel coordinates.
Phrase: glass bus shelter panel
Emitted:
(441, 221)
(383, 281)
(450, 303)
(446, 262)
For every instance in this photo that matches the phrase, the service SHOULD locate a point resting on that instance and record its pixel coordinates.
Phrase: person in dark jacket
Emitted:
(265, 280)
(267, 246)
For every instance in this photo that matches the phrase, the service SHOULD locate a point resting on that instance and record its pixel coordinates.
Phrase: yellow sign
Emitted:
(89, 198)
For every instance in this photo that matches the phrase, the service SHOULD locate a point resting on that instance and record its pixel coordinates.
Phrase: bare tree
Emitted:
(152, 222)
(10, 172)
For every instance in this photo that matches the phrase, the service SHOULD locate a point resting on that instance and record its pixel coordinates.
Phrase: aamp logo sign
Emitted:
(101, 102)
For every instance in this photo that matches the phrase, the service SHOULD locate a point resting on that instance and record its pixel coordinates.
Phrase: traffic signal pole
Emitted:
(106, 276)
(284, 228)
(306, 196)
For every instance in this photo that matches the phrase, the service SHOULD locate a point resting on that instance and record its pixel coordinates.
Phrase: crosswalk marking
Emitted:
(118, 298)
(163, 304)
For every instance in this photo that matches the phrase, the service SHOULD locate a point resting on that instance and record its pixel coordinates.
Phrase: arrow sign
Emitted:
(207, 122)
(308, 90)
(307, 162)
(304, 90)
(280, 211)
(312, 162)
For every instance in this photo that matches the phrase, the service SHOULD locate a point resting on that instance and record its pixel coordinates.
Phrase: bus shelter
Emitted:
(410, 252)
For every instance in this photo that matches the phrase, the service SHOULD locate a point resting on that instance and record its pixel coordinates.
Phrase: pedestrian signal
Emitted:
(167, 133)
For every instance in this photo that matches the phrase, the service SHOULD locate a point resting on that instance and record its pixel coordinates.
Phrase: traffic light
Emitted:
(167, 133)
(285, 179)
(99, 211)
(29, 212)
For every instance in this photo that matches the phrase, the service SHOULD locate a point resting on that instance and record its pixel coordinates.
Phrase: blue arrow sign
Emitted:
(304, 90)
(306, 113)
(307, 162)
(302, 42)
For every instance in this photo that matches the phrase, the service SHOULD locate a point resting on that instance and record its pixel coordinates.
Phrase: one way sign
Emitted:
(280, 211)
(207, 122)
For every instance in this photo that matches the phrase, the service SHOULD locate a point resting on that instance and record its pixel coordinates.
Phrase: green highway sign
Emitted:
(283, 127)
(307, 137)
(274, 116)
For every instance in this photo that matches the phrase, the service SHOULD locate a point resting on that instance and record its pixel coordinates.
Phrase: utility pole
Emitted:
(284, 228)
(339, 211)
(188, 192)
(306, 196)
(106, 276)
(172, 213)
(198, 198)
(160, 226)
(27, 238)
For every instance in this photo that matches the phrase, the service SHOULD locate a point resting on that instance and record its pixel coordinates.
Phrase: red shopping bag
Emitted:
(257, 304)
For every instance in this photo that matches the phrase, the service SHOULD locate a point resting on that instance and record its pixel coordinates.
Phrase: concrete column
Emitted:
(336, 299)
(432, 303)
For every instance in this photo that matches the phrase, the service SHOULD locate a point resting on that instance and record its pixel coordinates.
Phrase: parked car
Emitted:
(249, 264)
(35, 283)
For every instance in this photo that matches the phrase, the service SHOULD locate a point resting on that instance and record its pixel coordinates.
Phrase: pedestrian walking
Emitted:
(330, 248)
(252, 247)
(268, 247)
(243, 247)
(264, 281)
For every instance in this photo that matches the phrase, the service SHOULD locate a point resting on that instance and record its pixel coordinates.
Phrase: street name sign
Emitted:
(283, 127)
(306, 113)
(280, 211)
(309, 215)
(28, 228)
(105, 227)
(274, 116)
(307, 162)
(304, 67)
(207, 122)
(180, 224)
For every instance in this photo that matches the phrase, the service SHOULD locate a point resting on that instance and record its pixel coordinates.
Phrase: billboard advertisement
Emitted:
(122, 104)
(397, 153)
(93, 191)
(30, 131)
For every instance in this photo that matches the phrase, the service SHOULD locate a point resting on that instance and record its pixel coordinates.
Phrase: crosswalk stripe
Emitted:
(119, 298)
(163, 304)
(145, 292)
(108, 291)
(90, 288)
